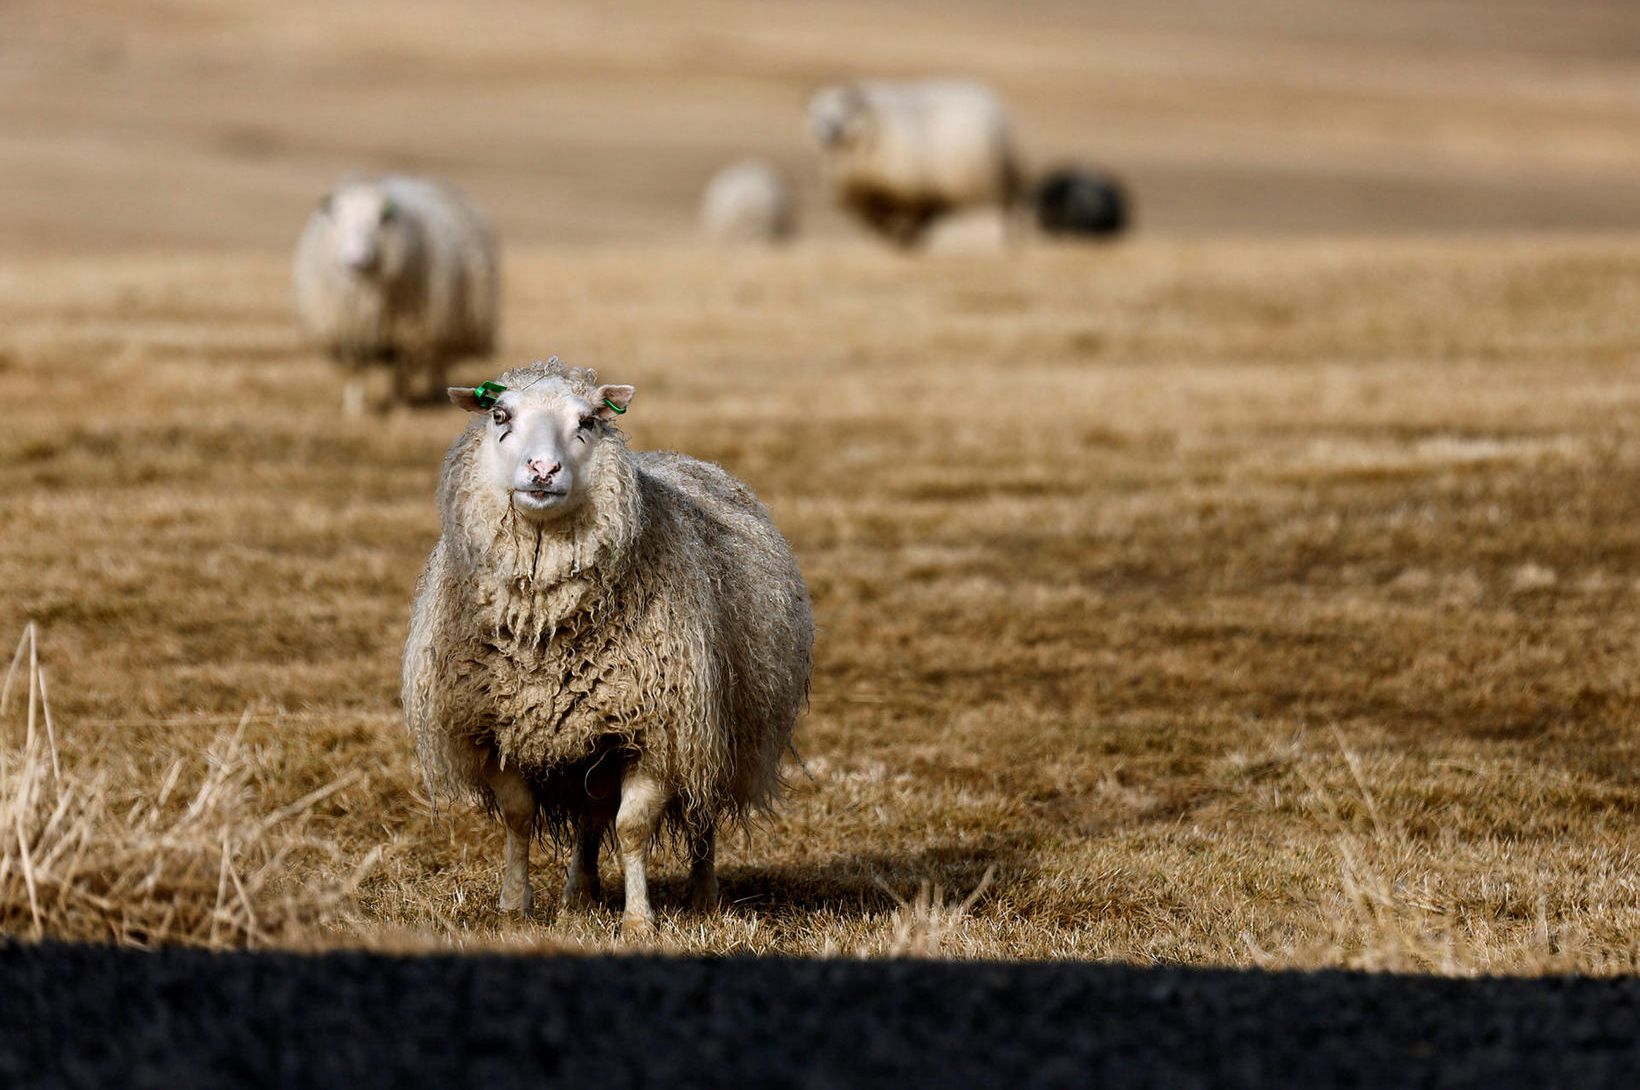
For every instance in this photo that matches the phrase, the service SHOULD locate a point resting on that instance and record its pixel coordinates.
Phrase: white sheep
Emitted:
(747, 202)
(968, 231)
(899, 155)
(401, 271)
(600, 637)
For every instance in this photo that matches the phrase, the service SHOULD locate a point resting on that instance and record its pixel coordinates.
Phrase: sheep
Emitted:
(747, 202)
(1077, 201)
(899, 155)
(600, 637)
(397, 270)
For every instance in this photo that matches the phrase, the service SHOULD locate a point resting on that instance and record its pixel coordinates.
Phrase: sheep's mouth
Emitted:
(537, 497)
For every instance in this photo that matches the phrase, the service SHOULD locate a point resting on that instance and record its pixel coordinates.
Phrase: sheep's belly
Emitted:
(542, 726)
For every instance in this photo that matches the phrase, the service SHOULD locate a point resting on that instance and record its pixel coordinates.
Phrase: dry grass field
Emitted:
(1249, 603)
(1259, 591)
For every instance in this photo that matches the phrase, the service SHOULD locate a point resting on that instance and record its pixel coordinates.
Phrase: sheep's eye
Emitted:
(587, 422)
(500, 417)
(390, 212)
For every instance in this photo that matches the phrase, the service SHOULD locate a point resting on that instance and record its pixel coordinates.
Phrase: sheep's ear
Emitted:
(477, 399)
(465, 397)
(611, 401)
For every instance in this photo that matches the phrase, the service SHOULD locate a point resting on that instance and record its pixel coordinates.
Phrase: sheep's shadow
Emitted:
(864, 884)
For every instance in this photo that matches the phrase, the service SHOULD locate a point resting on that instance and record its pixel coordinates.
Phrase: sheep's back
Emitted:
(459, 264)
(764, 627)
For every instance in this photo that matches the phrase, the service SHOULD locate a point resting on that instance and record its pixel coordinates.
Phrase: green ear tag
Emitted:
(616, 409)
(485, 393)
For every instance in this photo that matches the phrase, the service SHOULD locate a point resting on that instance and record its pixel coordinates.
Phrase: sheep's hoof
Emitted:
(637, 928)
(521, 902)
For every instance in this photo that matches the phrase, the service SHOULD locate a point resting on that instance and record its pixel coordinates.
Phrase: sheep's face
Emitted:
(367, 230)
(540, 440)
(838, 117)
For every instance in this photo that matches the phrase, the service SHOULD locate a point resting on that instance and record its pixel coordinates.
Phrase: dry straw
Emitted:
(928, 925)
(92, 853)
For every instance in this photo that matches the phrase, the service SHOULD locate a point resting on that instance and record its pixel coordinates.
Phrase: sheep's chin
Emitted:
(540, 506)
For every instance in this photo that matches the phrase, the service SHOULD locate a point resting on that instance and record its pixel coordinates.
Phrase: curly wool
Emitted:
(668, 621)
(443, 304)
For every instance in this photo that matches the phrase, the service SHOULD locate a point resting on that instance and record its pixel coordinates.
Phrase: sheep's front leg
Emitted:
(703, 887)
(516, 801)
(581, 887)
(643, 802)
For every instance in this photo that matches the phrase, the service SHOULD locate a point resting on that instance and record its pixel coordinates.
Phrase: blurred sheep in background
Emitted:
(969, 231)
(1079, 201)
(901, 155)
(399, 271)
(748, 201)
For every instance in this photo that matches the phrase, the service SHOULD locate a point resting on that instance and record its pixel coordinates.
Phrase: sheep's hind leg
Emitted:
(516, 801)
(703, 886)
(643, 802)
(581, 886)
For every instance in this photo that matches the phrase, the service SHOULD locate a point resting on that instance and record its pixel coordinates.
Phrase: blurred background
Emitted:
(216, 123)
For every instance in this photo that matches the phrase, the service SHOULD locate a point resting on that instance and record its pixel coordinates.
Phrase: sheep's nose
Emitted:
(541, 469)
(360, 257)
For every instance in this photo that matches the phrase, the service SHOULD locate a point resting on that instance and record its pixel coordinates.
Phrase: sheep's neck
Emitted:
(545, 577)
(548, 577)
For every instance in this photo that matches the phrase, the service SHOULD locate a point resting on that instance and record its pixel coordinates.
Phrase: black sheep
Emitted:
(1078, 201)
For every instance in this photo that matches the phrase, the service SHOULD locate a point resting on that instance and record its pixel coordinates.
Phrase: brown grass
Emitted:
(1227, 602)
(96, 855)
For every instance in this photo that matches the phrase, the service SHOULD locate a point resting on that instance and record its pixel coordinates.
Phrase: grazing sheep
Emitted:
(600, 636)
(899, 155)
(400, 271)
(1075, 201)
(748, 201)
